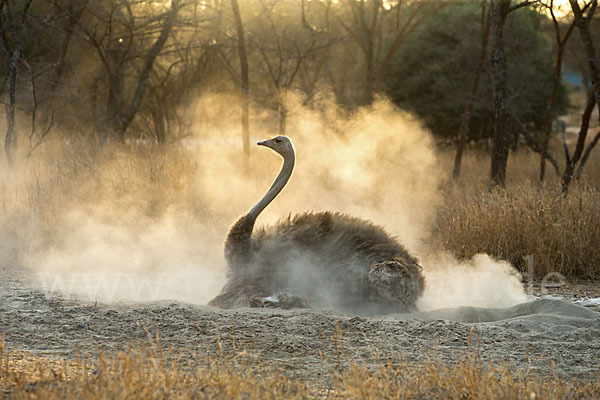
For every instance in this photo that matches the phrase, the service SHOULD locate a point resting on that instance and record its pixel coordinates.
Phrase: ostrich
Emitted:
(321, 259)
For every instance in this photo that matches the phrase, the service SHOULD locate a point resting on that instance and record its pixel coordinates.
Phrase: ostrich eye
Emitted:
(277, 140)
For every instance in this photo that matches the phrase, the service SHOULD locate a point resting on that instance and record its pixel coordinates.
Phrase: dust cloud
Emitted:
(479, 282)
(144, 228)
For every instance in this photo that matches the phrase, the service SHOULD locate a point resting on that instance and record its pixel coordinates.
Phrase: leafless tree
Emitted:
(13, 29)
(72, 11)
(561, 41)
(245, 80)
(582, 21)
(502, 139)
(379, 29)
(466, 116)
(116, 39)
(283, 47)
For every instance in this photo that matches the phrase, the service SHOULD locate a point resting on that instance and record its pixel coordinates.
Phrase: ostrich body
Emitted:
(323, 259)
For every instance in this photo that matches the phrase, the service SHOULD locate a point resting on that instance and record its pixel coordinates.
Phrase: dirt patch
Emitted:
(528, 336)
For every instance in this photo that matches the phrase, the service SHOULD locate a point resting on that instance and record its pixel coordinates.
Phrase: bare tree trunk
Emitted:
(502, 138)
(97, 115)
(283, 112)
(586, 155)
(114, 101)
(245, 81)
(10, 140)
(560, 43)
(584, 31)
(370, 76)
(583, 130)
(159, 118)
(466, 116)
(17, 33)
(370, 53)
(550, 111)
(142, 84)
(74, 15)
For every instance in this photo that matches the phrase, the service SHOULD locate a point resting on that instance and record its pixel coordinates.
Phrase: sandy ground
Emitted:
(527, 336)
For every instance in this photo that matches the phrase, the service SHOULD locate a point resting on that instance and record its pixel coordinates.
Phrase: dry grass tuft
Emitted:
(560, 233)
(151, 373)
(469, 379)
(147, 372)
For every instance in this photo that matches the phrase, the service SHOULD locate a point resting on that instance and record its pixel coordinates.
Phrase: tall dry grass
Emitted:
(150, 372)
(145, 372)
(561, 233)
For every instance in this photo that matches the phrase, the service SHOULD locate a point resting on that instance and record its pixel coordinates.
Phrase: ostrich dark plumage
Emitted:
(319, 259)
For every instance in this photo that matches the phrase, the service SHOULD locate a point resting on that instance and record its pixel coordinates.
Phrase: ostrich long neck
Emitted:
(237, 244)
(276, 187)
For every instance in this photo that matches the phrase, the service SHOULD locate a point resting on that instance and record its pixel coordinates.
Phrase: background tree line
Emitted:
(113, 70)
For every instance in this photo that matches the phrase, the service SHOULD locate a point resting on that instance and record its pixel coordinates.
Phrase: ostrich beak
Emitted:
(264, 143)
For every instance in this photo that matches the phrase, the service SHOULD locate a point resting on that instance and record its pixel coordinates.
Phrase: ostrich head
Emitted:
(280, 144)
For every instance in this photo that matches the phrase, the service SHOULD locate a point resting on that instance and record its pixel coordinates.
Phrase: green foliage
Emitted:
(432, 74)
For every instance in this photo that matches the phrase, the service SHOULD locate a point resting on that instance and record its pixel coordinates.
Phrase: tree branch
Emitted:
(533, 144)
(586, 155)
(144, 76)
(520, 5)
